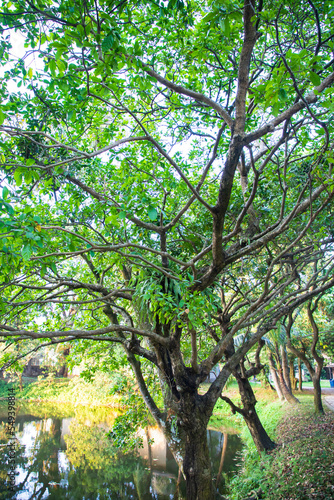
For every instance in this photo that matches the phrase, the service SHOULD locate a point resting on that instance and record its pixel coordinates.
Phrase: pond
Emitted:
(66, 453)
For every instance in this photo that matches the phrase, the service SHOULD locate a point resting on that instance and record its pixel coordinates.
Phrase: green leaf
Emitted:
(276, 108)
(209, 16)
(61, 65)
(282, 94)
(53, 267)
(5, 192)
(26, 252)
(43, 270)
(71, 115)
(225, 26)
(81, 30)
(152, 213)
(18, 177)
(111, 219)
(2, 117)
(315, 79)
(122, 215)
(30, 162)
(53, 66)
(110, 41)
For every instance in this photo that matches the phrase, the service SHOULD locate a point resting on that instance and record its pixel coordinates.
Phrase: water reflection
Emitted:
(72, 457)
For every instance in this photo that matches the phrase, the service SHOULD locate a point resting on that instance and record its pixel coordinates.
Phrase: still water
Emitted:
(64, 453)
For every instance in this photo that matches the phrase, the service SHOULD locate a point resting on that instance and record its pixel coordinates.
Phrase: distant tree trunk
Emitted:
(286, 393)
(317, 394)
(285, 368)
(316, 374)
(260, 437)
(300, 374)
(282, 367)
(293, 379)
(276, 381)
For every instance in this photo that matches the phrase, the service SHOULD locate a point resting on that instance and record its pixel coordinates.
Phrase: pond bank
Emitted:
(301, 467)
(102, 392)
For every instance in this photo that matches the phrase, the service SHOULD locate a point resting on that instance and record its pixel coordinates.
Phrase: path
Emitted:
(327, 395)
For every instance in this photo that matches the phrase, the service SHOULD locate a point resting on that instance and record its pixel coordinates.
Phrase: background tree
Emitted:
(276, 344)
(314, 362)
(162, 167)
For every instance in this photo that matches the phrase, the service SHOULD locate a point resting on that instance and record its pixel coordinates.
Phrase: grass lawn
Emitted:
(323, 384)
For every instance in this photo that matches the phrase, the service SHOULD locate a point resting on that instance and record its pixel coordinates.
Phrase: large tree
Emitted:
(163, 165)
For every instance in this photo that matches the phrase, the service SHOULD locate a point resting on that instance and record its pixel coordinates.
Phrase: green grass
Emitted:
(72, 391)
(323, 384)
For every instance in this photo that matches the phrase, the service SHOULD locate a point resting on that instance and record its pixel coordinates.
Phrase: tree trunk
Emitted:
(197, 465)
(283, 375)
(317, 393)
(260, 437)
(286, 393)
(285, 368)
(300, 375)
(293, 379)
(186, 435)
(276, 381)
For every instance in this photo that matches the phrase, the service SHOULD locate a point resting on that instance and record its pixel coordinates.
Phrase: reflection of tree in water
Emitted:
(4, 460)
(103, 471)
(43, 461)
(94, 468)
